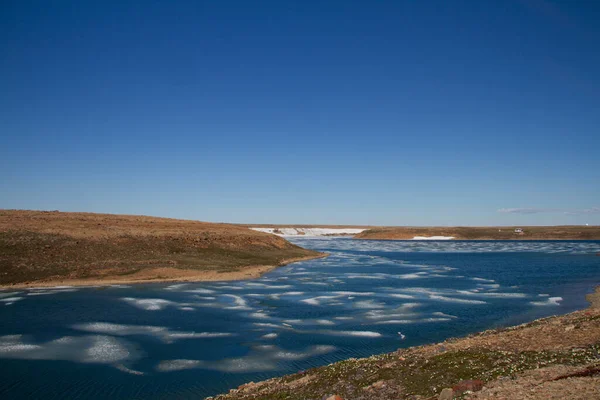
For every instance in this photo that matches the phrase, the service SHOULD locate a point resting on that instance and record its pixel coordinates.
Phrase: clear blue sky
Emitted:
(356, 112)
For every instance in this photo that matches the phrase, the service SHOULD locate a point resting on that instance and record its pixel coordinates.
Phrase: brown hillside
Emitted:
(57, 247)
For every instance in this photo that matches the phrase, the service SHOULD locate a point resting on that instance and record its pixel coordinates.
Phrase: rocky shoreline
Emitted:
(555, 357)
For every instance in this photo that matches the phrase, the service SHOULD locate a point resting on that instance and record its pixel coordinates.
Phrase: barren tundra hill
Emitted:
(59, 247)
(566, 232)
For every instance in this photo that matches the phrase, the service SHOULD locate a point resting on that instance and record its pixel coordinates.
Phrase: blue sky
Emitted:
(340, 112)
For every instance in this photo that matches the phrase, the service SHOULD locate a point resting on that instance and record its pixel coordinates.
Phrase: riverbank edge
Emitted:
(177, 275)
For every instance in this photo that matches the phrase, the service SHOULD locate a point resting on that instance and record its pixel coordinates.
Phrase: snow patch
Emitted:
(550, 301)
(304, 232)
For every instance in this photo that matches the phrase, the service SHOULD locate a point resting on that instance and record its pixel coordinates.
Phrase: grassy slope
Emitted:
(557, 356)
(486, 233)
(39, 246)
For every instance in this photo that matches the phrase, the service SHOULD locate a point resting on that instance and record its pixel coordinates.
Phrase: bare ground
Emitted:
(550, 358)
(47, 248)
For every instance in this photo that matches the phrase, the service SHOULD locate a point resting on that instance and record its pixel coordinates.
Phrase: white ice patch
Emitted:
(369, 304)
(490, 286)
(483, 280)
(551, 301)
(177, 286)
(8, 294)
(11, 300)
(441, 314)
(401, 296)
(84, 349)
(412, 321)
(455, 300)
(261, 358)
(269, 336)
(239, 301)
(366, 276)
(310, 352)
(369, 334)
(177, 365)
(200, 291)
(160, 332)
(354, 293)
(494, 295)
(123, 368)
(316, 283)
(149, 304)
(304, 322)
(316, 301)
(417, 275)
(230, 287)
(267, 286)
(269, 325)
(260, 315)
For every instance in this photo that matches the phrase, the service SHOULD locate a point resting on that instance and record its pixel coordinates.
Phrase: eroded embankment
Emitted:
(556, 357)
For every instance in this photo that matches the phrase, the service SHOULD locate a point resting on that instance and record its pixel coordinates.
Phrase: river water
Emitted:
(193, 340)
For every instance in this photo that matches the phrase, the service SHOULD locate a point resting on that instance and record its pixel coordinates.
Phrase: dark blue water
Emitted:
(194, 340)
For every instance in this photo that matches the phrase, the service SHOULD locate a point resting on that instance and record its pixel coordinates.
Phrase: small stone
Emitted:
(569, 328)
(374, 386)
(446, 394)
(378, 384)
(470, 385)
(334, 397)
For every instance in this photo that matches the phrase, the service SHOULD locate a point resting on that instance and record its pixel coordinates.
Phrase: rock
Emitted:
(446, 394)
(375, 386)
(569, 328)
(378, 384)
(247, 386)
(334, 397)
(471, 385)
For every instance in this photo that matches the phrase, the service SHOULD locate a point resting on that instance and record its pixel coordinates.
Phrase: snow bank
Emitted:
(310, 231)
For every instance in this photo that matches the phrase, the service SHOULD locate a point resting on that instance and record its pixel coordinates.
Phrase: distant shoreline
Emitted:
(567, 232)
